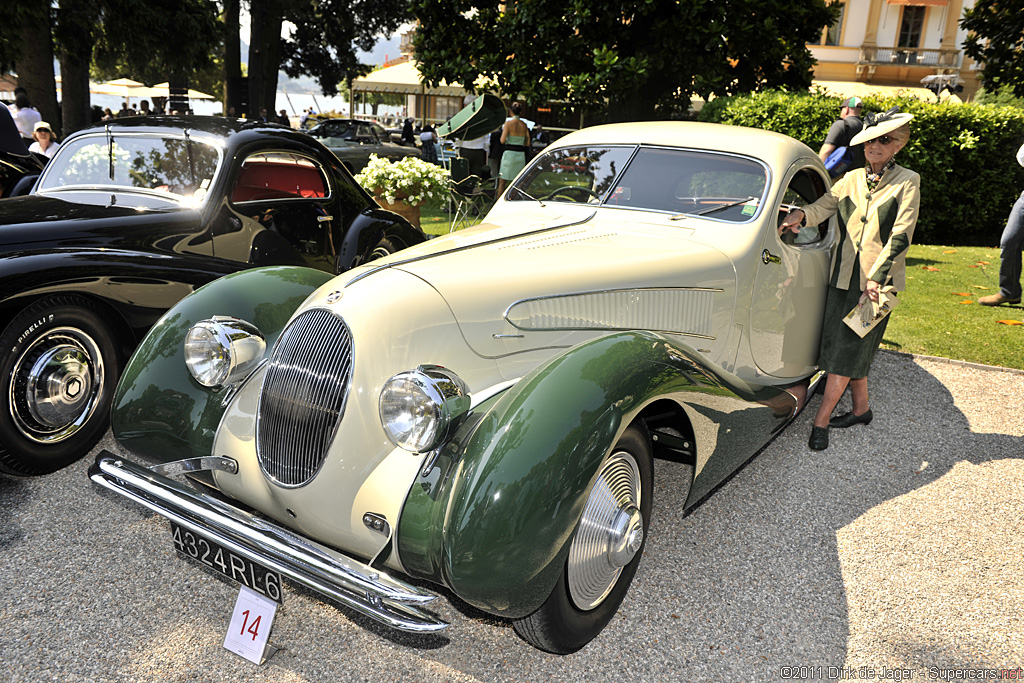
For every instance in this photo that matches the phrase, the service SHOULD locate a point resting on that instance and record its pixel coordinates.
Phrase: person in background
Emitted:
(1010, 244)
(303, 117)
(408, 137)
(283, 119)
(515, 136)
(125, 111)
(475, 152)
(876, 206)
(144, 108)
(107, 114)
(25, 115)
(843, 130)
(45, 141)
(428, 142)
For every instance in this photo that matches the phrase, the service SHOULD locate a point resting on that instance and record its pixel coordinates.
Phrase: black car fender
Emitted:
(160, 412)
(369, 228)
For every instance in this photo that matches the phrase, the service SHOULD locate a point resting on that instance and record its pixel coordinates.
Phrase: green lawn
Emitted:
(939, 314)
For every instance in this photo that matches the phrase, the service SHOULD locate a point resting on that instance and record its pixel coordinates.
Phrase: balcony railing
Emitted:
(910, 56)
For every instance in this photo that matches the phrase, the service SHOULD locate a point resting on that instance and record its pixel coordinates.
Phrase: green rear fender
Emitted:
(494, 518)
(160, 412)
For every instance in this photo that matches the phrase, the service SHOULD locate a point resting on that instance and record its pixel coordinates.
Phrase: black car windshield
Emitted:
(179, 167)
(334, 129)
(676, 181)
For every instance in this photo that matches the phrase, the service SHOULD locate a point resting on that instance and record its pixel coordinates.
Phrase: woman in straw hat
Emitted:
(45, 141)
(876, 207)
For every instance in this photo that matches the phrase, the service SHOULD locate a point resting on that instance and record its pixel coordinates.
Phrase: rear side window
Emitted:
(279, 175)
(692, 182)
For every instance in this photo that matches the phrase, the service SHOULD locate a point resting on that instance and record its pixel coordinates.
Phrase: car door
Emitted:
(281, 211)
(788, 297)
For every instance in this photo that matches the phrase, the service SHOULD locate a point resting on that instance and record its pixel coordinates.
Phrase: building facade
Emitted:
(896, 43)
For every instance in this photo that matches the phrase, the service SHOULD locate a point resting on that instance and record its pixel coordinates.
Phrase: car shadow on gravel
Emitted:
(752, 580)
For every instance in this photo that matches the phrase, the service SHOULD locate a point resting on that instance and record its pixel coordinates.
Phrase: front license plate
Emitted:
(240, 569)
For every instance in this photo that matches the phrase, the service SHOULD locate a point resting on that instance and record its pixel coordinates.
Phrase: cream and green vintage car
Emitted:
(484, 410)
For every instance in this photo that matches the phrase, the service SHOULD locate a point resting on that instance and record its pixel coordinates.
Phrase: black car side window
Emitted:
(278, 175)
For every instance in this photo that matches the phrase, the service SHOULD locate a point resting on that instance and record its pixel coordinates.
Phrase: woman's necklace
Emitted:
(875, 178)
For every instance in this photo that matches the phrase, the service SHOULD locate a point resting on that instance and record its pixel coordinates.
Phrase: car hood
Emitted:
(41, 218)
(514, 290)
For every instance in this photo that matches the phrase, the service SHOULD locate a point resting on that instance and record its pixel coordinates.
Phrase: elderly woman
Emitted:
(877, 208)
(45, 141)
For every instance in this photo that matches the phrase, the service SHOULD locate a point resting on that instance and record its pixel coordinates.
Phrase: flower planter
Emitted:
(409, 212)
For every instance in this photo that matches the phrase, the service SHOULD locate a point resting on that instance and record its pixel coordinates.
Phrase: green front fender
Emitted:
(494, 518)
(160, 412)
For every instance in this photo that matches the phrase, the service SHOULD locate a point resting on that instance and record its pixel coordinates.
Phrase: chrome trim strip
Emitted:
(347, 581)
(172, 469)
(485, 243)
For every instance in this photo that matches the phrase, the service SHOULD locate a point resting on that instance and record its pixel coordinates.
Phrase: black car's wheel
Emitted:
(605, 551)
(385, 247)
(60, 365)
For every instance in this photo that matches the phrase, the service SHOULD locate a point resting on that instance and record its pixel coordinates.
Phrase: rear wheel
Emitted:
(385, 247)
(605, 551)
(59, 364)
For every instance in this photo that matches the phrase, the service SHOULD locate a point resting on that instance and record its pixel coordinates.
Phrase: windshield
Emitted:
(183, 169)
(334, 129)
(677, 181)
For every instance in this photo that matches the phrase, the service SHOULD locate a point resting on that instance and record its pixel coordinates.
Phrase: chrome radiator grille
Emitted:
(303, 397)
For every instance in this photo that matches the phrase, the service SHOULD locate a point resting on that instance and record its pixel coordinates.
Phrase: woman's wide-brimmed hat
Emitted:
(876, 125)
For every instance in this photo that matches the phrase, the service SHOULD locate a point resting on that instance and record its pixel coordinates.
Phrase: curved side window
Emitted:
(805, 187)
(279, 175)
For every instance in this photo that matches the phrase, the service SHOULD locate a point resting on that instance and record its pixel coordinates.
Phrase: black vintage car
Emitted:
(127, 219)
(353, 142)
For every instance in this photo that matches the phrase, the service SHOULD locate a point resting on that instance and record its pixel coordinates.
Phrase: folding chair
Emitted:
(468, 195)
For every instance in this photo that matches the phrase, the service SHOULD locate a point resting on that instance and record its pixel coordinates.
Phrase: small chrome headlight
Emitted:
(222, 350)
(421, 408)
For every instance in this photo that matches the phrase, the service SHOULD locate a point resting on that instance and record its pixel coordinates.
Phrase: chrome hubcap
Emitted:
(55, 385)
(610, 534)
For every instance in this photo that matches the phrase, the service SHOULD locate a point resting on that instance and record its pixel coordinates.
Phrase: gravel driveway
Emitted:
(895, 553)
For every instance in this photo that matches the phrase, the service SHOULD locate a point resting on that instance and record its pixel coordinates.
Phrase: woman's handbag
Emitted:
(867, 313)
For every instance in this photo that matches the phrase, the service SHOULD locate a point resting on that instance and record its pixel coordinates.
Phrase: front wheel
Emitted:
(60, 366)
(604, 554)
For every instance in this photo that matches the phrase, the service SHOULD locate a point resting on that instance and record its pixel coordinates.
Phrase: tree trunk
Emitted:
(257, 45)
(35, 62)
(272, 55)
(75, 101)
(232, 49)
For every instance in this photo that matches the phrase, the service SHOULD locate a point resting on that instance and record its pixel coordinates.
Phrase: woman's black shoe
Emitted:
(819, 439)
(849, 419)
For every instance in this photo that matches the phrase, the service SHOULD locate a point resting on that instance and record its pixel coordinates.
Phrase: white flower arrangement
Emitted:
(410, 180)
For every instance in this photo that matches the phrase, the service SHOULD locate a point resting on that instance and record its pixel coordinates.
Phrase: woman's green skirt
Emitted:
(842, 351)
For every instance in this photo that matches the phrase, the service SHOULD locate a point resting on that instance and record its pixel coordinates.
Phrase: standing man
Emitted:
(842, 132)
(1010, 244)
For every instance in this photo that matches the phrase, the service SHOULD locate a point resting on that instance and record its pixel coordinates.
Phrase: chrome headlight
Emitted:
(421, 408)
(222, 350)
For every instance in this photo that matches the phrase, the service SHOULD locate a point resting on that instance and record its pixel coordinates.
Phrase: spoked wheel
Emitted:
(60, 366)
(385, 247)
(604, 554)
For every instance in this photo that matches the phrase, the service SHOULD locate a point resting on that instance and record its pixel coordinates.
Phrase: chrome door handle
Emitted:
(768, 257)
(322, 219)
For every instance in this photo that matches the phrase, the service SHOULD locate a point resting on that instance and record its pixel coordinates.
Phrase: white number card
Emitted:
(250, 624)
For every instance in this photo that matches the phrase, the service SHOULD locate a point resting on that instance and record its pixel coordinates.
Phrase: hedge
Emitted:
(965, 154)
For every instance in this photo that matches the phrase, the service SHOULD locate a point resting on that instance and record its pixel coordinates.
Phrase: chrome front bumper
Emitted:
(356, 585)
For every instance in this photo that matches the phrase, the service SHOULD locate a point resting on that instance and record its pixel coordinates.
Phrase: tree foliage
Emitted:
(996, 38)
(327, 33)
(640, 58)
(155, 40)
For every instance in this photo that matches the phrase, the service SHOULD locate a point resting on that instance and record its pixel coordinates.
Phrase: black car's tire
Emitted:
(385, 247)
(59, 365)
(612, 531)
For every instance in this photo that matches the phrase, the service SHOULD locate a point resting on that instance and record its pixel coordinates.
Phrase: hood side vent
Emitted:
(681, 311)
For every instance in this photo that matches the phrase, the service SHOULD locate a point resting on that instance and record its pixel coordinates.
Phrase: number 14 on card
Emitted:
(249, 629)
